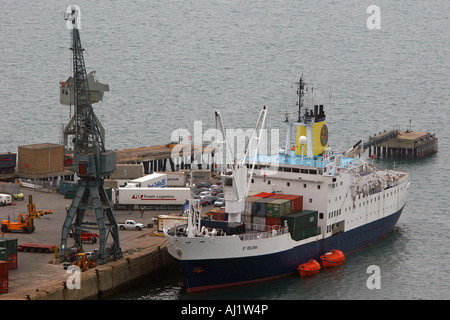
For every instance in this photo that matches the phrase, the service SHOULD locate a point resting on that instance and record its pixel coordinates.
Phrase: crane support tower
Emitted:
(91, 163)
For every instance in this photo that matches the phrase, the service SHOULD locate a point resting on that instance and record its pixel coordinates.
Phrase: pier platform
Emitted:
(402, 144)
(159, 157)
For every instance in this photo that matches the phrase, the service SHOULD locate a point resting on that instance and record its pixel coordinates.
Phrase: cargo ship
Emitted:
(281, 210)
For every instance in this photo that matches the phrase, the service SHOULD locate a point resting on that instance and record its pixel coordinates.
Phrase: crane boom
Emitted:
(236, 181)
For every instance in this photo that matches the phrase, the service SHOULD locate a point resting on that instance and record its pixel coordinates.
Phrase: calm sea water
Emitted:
(170, 63)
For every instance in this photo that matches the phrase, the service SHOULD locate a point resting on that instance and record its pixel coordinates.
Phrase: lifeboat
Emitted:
(332, 258)
(309, 268)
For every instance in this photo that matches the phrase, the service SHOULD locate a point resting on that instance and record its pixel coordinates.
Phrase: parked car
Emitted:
(203, 184)
(211, 199)
(204, 194)
(215, 189)
(130, 225)
(86, 236)
(220, 202)
(219, 195)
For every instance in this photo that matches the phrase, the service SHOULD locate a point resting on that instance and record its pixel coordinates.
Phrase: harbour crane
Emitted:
(92, 163)
(235, 177)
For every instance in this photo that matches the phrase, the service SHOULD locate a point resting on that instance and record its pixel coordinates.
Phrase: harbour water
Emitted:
(170, 63)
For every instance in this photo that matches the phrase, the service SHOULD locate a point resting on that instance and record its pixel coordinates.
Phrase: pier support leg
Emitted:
(145, 165)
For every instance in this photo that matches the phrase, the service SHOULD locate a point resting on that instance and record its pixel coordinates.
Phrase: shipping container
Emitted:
(12, 261)
(4, 274)
(10, 244)
(259, 220)
(198, 176)
(3, 254)
(304, 233)
(154, 180)
(260, 207)
(247, 220)
(7, 162)
(273, 221)
(249, 205)
(263, 194)
(219, 215)
(175, 178)
(42, 158)
(278, 208)
(296, 201)
(301, 224)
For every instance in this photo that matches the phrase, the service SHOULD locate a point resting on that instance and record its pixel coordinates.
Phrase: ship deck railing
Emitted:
(258, 231)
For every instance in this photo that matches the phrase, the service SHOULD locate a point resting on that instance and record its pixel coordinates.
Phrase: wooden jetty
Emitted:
(157, 158)
(402, 144)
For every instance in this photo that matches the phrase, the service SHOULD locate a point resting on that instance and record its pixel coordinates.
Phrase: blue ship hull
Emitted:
(202, 275)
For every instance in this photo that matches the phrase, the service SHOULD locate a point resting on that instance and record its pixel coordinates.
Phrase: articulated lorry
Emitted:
(128, 198)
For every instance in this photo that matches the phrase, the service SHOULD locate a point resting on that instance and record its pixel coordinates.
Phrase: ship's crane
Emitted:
(92, 162)
(235, 179)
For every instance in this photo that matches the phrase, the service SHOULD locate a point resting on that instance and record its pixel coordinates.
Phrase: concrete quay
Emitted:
(39, 277)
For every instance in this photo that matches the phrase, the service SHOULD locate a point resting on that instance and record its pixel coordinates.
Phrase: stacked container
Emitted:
(249, 205)
(11, 250)
(4, 276)
(268, 209)
(296, 201)
(219, 215)
(278, 207)
(275, 210)
(302, 224)
(263, 194)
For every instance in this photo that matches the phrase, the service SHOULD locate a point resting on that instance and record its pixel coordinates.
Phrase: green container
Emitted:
(260, 207)
(300, 220)
(301, 234)
(3, 254)
(278, 208)
(10, 244)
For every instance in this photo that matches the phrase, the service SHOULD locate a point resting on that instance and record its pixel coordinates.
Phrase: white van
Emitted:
(5, 199)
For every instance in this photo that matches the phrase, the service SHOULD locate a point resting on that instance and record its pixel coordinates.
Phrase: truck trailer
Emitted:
(127, 197)
(154, 180)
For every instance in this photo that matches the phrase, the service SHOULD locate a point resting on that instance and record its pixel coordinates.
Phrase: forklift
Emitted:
(25, 221)
(84, 262)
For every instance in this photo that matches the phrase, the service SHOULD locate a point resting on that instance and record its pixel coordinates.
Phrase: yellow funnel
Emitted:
(319, 138)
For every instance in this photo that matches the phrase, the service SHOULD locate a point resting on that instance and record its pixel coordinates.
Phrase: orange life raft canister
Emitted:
(309, 268)
(333, 258)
